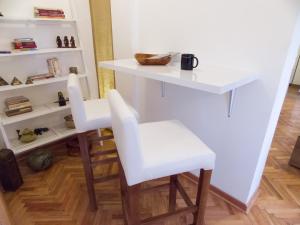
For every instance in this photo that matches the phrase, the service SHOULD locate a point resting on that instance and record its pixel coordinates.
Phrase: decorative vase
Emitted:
(69, 122)
(40, 160)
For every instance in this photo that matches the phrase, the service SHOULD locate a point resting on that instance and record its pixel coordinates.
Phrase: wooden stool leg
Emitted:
(123, 185)
(133, 205)
(203, 189)
(172, 193)
(89, 176)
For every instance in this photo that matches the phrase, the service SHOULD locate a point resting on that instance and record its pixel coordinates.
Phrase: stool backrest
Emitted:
(127, 138)
(76, 101)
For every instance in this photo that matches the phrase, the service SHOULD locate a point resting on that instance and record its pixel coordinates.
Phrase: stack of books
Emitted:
(17, 105)
(49, 13)
(24, 44)
(41, 77)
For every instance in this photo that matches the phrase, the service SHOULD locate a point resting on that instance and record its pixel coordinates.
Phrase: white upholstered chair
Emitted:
(90, 115)
(153, 150)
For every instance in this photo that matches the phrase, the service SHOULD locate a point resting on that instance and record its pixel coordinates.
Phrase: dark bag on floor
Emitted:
(10, 175)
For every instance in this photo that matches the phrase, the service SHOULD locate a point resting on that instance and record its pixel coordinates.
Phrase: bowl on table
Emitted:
(153, 59)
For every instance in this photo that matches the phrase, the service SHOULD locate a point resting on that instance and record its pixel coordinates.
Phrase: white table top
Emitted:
(213, 79)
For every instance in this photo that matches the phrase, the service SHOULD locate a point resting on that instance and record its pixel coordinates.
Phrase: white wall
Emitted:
(287, 71)
(252, 35)
(124, 42)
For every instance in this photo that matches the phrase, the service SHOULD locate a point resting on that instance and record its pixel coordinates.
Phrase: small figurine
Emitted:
(72, 41)
(40, 131)
(16, 81)
(29, 81)
(3, 82)
(58, 42)
(73, 70)
(69, 122)
(66, 42)
(61, 99)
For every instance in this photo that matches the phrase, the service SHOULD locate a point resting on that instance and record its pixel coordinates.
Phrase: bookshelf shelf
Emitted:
(38, 83)
(35, 20)
(55, 133)
(40, 51)
(37, 112)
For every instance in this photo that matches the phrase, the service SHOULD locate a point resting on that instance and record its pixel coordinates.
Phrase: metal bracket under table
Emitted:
(231, 97)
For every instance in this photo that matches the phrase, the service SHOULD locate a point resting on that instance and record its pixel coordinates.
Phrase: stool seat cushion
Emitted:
(97, 114)
(169, 148)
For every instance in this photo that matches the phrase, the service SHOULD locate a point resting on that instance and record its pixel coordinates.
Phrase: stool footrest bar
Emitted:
(184, 195)
(155, 187)
(101, 153)
(106, 178)
(163, 217)
(104, 161)
(103, 138)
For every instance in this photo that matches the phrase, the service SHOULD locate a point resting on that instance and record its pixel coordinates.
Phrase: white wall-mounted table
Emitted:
(212, 79)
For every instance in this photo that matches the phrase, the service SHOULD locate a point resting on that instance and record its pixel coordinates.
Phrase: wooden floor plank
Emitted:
(58, 196)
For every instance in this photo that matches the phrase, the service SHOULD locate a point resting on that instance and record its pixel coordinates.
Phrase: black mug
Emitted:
(187, 61)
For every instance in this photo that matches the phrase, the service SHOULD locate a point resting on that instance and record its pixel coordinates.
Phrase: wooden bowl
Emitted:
(146, 59)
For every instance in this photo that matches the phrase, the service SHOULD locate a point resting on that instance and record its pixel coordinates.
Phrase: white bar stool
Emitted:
(153, 150)
(88, 116)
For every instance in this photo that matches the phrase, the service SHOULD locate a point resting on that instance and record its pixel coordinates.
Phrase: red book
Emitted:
(24, 45)
(51, 14)
(38, 12)
(50, 11)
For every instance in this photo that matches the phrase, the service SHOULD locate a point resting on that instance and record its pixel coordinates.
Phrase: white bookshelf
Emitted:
(40, 51)
(39, 83)
(45, 113)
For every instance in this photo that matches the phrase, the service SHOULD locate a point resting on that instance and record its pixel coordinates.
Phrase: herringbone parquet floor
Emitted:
(58, 196)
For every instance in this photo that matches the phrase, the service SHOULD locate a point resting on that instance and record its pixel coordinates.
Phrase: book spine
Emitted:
(50, 14)
(25, 49)
(18, 111)
(58, 11)
(21, 45)
(51, 17)
(12, 102)
(41, 76)
(16, 100)
(23, 39)
(19, 106)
